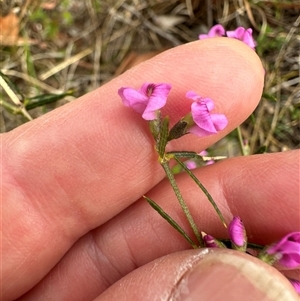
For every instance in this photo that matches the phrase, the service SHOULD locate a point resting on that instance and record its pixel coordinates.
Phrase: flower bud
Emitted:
(211, 242)
(237, 234)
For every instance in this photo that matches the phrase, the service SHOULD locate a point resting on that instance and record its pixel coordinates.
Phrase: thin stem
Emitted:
(250, 245)
(14, 98)
(9, 107)
(193, 155)
(211, 200)
(241, 142)
(167, 169)
(169, 219)
(184, 154)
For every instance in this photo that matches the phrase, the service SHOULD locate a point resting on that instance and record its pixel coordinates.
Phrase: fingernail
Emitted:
(232, 275)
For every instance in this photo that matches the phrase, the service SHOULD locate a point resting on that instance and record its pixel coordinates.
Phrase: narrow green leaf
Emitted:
(165, 165)
(205, 191)
(185, 154)
(169, 219)
(12, 86)
(163, 137)
(269, 97)
(40, 100)
(10, 108)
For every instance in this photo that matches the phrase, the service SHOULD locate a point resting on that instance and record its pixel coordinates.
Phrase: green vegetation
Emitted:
(64, 49)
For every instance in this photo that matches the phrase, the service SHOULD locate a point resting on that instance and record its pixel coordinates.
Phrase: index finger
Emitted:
(78, 166)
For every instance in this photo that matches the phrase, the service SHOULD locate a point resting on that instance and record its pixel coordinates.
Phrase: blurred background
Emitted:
(52, 52)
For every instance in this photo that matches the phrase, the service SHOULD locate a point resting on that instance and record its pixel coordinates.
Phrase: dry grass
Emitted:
(75, 46)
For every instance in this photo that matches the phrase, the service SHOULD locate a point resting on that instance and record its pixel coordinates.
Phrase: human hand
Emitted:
(74, 224)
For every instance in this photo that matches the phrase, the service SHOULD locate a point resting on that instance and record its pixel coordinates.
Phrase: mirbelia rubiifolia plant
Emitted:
(148, 102)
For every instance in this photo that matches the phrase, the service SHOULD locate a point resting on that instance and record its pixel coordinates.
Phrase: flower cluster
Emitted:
(285, 252)
(242, 34)
(147, 100)
(150, 98)
(202, 121)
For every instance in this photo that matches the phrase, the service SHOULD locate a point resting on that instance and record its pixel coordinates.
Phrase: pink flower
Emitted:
(205, 123)
(237, 232)
(287, 250)
(147, 100)
(216, 31)
(244, 35)
(209, 241)
(190, 164)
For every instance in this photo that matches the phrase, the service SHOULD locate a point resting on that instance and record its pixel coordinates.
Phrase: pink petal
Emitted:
(202, 117)
(207, 101)
(198, 131)
(237, 231)
(289, 249)
(243, 35)
(203, 36)
(203, 153)
(190, 164)
(248, 39)
(134, 99)
(232, 34)
(192, 95)
(206, 123)
(157, 100)
(210, 241)
(219, 120)
(149, 115)
(289, 262)
(289, 241)
(210, 162)
(216, 31)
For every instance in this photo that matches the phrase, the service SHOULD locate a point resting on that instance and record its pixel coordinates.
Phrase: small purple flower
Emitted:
(244, 35)
(147, 100)
(237, 232)
(296, 284)
(216, 31)
(205, 123)
(287, 250)
(190, 164)
(211, 242)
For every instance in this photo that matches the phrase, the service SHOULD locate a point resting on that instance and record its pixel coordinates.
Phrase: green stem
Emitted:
(184, 154)
(169, 219)
(250, 245)
(167, 169)
(211, 200)
(9, 107)
(241, 143)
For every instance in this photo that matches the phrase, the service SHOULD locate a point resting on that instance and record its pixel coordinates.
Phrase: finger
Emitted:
(67, 172)
(203, 275)
(243, 186)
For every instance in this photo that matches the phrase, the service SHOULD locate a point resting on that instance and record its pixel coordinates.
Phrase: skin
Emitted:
(73, 221)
